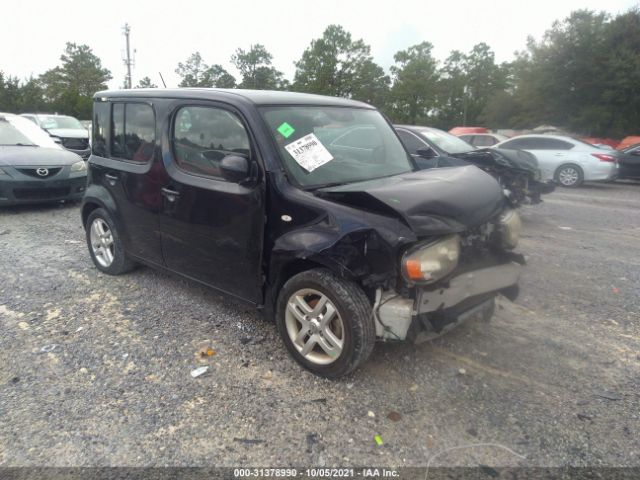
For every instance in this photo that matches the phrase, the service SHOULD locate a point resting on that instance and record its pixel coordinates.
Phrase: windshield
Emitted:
(333, 145)
(631, 148)
(15, 131)
(49, 122)
(446, 142)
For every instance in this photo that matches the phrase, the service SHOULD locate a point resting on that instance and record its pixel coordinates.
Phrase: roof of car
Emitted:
(257, 97)
(544, 135)
(418, 127)
(40, 114)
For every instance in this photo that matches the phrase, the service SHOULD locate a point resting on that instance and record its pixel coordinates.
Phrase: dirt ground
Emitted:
(95, 370)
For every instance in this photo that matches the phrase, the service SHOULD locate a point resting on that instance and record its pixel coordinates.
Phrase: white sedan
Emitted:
(568, 161)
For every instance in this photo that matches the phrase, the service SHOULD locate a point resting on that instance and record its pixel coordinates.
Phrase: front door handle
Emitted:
(171, 195)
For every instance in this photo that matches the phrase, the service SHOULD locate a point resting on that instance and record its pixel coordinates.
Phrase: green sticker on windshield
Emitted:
(286, 130)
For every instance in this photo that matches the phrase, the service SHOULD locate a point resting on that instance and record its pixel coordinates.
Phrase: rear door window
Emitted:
(100, 122)
(483, 141)
(537, 143)
(133, 132)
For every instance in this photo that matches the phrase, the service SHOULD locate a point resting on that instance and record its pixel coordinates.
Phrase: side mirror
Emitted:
(426, 152)
(235, 168)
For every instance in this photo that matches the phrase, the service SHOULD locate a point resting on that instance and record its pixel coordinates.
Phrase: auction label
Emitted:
(309, 152)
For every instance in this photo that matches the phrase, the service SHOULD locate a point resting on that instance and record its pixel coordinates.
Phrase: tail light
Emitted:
(603, 157)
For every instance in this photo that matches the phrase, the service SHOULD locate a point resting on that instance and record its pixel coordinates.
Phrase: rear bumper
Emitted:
(14, 192)
(437, 307)
(603, 172)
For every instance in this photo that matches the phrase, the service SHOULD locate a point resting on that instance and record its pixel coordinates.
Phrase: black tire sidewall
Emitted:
(121, 263)
(355, 346)
(575, 167)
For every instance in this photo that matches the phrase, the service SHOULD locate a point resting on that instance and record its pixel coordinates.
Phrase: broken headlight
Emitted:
(426, 264)
(509, 227)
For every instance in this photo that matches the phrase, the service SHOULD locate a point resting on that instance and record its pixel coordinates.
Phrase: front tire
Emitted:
(326, 322)
(105, 244)
(569, 175)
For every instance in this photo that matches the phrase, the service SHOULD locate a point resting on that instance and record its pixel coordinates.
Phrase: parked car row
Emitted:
(568, 161)
(33, 168)
(339, 226)
(66, 130)
(517, 171)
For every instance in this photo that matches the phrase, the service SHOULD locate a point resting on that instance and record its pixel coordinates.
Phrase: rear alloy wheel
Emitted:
(101, 242)
(569, 176)
(325, 322)
(105, 245)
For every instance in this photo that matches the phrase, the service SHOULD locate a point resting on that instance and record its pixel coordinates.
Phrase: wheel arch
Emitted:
(97, 197)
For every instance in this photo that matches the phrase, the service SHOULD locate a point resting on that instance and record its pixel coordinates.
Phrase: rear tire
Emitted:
(326, 322)
(569, 176)
(105, 244)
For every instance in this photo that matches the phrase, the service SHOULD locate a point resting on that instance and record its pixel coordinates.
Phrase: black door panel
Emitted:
(212, 230)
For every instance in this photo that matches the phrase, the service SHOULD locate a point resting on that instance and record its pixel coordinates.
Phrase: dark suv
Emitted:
(307, 207)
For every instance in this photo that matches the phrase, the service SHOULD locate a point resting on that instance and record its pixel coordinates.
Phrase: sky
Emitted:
(33, 33)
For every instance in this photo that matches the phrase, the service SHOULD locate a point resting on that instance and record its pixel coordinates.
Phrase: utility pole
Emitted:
(128, 61)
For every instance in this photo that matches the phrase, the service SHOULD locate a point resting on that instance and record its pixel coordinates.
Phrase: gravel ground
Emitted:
(95, 370)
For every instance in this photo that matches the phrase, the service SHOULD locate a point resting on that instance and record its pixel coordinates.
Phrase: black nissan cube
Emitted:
(307, 207)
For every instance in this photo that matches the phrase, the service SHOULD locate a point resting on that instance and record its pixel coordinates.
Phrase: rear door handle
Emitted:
(112, 179)
(171, 195)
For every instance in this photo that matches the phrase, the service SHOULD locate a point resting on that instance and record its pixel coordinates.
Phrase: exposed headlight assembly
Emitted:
(509, 226)
(426, 264)
(80, 166)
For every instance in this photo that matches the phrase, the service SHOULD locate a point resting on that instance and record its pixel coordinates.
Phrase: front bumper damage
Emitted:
(438, 308)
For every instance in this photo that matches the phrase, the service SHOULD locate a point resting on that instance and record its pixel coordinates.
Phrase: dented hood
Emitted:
(435, 201)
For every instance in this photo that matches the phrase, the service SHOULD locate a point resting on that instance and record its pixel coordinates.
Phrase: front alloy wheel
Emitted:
(314, 326)
(326, 322)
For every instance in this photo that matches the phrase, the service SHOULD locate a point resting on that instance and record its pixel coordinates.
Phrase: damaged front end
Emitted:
(450, 281)
(431, 248)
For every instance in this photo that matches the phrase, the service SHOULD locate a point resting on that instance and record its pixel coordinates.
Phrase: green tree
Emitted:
(145, 82)
(415, 81)
(483, 80)
(256, 70)
(196, 73)
(560, 79)
(337, 65)
(10, 95)
(69, 88)
(451, 91)
(619, 90)
(467, 83)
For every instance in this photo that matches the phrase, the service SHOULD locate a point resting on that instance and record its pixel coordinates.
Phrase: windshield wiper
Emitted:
(328, 185)
(18, 145)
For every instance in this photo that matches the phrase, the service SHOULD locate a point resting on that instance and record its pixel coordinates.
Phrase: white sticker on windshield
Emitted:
(309, 152)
